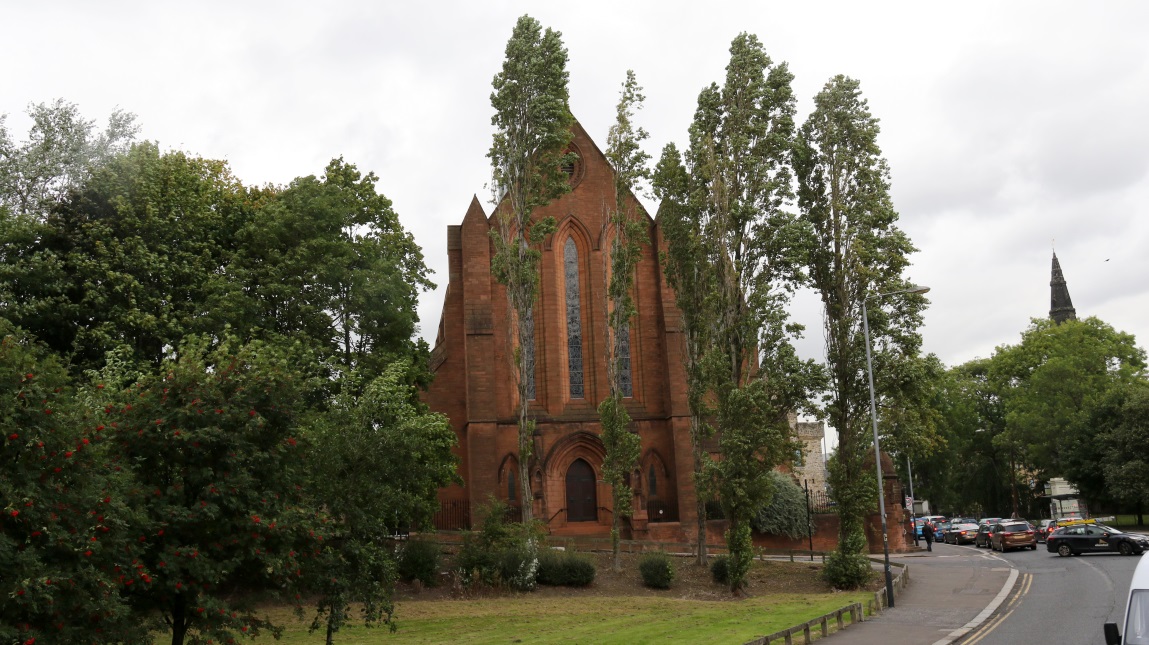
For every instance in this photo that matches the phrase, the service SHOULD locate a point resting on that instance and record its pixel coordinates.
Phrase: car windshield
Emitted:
(1015, 528)
(1108, 529)
(1137, 625)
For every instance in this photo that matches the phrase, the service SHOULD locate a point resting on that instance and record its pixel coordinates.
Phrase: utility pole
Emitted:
(809, 523)
(913, 523)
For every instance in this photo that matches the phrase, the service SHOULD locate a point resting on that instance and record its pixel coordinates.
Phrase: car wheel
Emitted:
(1064, 551)
(1125, 548)
(1034, 546)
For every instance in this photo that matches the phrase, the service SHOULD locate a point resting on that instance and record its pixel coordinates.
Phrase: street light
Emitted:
(877, 448)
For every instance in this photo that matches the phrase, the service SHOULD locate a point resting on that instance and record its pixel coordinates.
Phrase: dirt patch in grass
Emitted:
(691, 582)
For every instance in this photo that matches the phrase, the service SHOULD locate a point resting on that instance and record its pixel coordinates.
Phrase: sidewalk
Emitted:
(947, 596)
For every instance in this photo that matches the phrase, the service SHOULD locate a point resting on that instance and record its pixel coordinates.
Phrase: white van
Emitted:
(1136, 611)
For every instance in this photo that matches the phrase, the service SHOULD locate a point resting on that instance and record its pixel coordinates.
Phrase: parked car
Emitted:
(961, 533)
(919, 522)
(1012, 534)
(983, 529)
(1094, 538)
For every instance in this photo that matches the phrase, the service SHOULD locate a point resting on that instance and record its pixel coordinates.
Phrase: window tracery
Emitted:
(574, 319)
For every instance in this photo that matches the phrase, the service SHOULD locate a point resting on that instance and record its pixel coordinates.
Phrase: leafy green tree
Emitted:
(64, 538)
(964, 472)
(210, 445)
(787, 512)
(1123, 424)
(1052, 383)
(327, 259)
(377, 462)
(60, 155)
(532, 131)
(856, 252)
(740, 179)
(134, 257)
(685, 264)
(628, 234)
(740, 145)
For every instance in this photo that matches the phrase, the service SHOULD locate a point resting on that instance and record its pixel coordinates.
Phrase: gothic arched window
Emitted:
(652, 483)
(511, 486)
(574, 318)
(529, 354)
(625, 384)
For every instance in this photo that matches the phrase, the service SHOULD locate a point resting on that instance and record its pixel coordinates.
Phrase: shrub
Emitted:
(500, 552)
(565, 568)
(786, 514)
(518, 566)
(848, 567)
(419, 560)
(657, 570)
(720, 569)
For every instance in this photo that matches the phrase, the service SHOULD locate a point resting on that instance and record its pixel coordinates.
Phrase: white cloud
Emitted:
(1006, 125)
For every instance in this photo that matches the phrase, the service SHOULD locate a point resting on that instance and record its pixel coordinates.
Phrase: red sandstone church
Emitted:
(474, 385)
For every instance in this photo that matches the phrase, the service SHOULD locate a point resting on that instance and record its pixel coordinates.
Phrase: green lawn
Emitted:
(618, 619)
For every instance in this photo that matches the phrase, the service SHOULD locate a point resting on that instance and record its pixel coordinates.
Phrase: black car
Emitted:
(982, 537)
(1094, 538)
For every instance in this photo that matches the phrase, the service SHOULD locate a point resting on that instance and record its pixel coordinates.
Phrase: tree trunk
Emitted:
(614, 539)
(179, 621)
(699, 500)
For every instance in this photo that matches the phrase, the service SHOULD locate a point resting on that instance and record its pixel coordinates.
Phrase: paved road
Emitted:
(1060, 600)
(961, 595)
(949, 592)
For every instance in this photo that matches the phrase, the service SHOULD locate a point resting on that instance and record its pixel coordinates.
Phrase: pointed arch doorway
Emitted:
(582, 502)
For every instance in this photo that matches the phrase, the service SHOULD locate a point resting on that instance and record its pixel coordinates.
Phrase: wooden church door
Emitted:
(581, 501)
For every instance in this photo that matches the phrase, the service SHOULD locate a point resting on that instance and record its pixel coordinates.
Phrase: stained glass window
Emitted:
(624, 382)
(574, 319)
(529, 354)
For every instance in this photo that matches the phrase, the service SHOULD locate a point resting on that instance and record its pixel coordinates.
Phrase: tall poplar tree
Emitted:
(532, 131)
(740, 148)
(685, 264)
(856, 252)
(739, 183)
(624, 151)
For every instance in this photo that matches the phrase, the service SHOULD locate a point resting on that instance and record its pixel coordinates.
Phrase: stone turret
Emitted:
(1060, 305)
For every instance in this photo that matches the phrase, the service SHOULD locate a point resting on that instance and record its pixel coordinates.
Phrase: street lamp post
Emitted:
(913, 522)
(877, 447)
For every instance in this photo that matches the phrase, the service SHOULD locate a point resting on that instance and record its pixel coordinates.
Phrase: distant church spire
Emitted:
(1060, 306)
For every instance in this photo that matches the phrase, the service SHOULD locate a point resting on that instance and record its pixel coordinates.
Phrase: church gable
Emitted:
(474, 383)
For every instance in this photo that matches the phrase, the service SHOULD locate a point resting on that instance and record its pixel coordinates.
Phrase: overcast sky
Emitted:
(1010, 128)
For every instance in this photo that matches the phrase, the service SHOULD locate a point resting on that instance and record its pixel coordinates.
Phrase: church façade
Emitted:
(474, 383)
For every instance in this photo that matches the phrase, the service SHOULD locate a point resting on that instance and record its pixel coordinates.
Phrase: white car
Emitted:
(1136, 611)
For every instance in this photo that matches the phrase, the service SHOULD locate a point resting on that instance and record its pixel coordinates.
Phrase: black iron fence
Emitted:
(821, 502)
(454, 515)
(657, 511)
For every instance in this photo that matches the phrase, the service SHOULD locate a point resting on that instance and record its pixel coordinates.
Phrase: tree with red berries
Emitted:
(63, 528)
(210, 447)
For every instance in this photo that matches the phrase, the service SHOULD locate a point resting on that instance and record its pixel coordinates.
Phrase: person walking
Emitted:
(928, 531)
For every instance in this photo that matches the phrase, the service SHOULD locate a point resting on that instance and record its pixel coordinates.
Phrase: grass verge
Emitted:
(626, 619)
